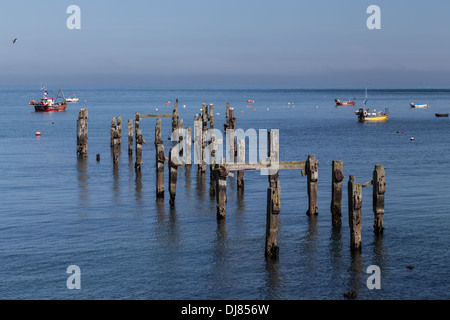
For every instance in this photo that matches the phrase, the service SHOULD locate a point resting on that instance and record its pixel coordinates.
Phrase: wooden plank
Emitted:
(264, 165)
(155, 115)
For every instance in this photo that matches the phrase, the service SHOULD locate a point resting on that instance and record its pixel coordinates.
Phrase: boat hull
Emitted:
(43, 108)
(373, 119)
(351, 103)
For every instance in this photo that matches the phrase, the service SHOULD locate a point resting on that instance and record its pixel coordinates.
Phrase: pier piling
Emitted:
(336, 192)
(312, 177)
(139, 142)
(354, 213)
(82, 133)
(379, 188)
(130, 136)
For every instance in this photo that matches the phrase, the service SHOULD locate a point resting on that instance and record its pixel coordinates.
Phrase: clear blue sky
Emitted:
(286, 42)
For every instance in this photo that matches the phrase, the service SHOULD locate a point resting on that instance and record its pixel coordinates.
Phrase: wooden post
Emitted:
(119, 129)
(158, 131)
(116, 146)
(354, 213)
(139, 142)
(173, 172)
(188, 146)
(240, 160)
(113, 128)
(227, 117)
(379, 187)
(221, 190)
(312, 175)
(160, 159)
(175, 116)
(130, 136)
(204, 131)
(136, 123)
(272, 219)
(82, 133)
(273, 199)
(336, 192)
(180, 139)
(198, 156)
(213, 151)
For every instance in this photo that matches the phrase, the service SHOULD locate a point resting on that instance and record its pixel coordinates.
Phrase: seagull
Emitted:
(14, 41)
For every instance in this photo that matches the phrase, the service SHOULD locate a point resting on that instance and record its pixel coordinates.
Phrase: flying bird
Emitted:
(15, 40)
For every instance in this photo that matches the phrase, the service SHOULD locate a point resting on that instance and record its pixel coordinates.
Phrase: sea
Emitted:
(59, 213)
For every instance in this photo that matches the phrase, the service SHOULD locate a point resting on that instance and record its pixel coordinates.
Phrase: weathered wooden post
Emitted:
(227, 117)
(180, 140)
(173, 173)
(136, 123)
(336, 192)
(240, 160)
(119, 129)
(221, 189)
(312, 177)
(82, 133)
(113, 128)
(198, 154)
(204, 132)
(213, 151)
(139, 142)
(160, 159)
(175, 116)
(354, 213)
(273, 200)
(130, 136)
(188, 146)
(116, 145)
(379, 188)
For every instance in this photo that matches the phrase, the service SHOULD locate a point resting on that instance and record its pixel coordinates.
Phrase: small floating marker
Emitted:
(184, 106)
(156, 109)
(38, 133)
(412, 138)
(242, 112)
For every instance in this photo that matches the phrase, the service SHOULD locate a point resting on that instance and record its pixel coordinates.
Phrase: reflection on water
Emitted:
(356, 277)
(83, 200)
(273, 281)
(116, 184)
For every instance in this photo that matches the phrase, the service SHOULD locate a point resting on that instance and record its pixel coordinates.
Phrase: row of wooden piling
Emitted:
(221, 169)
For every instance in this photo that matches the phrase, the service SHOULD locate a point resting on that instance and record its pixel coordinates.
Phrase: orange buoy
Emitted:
(254, 109)
(38, 133)
(242, 112)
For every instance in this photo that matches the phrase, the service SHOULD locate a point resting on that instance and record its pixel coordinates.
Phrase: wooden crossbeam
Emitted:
(282, 165)
(155, 116)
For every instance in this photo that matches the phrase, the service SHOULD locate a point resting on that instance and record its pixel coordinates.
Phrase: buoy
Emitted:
(412, 138)
(254, 109)
(38, 133)
(184, 106)
(156, 109)
(242, 112)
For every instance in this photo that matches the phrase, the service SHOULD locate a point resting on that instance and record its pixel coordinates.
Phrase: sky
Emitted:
(295, 43)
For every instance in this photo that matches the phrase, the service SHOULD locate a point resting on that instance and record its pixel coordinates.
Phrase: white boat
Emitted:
(72, 99)
(419, 106)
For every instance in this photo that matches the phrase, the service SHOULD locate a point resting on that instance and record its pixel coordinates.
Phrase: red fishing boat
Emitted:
(47, 104)
(345, 103)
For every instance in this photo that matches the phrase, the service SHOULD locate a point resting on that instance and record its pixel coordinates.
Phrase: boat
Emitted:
(365, 115)
(48, 104)
(72, 99)
(441, 115)
(250, 101)
(419, 106)
(345, 103)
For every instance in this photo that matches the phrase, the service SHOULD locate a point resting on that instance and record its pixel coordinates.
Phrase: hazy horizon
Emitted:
(287, 43)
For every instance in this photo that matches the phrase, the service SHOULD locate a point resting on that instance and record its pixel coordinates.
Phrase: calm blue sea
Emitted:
(57, 211)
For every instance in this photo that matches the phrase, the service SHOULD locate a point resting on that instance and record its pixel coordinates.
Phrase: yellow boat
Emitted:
(364, 115)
